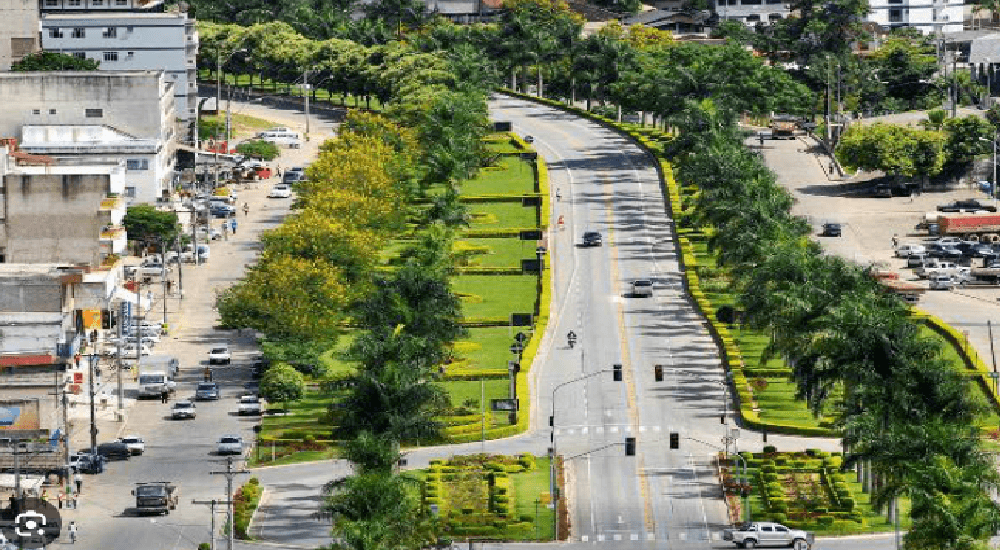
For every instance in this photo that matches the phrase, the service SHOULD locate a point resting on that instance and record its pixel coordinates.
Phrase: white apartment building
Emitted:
(752, 12)
(929, 16)
(19, 31)
(131, 41)
(97, 117)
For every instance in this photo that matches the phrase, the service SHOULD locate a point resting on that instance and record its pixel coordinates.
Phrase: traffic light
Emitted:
(675, 440)
(616, 372)
(629, 446)
(552, 420)
(658, 370)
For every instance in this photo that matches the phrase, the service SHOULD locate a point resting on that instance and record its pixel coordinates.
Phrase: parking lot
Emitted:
(869, 225)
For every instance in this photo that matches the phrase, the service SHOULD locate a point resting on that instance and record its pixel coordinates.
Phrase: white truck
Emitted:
(759, 534)
(156, 376)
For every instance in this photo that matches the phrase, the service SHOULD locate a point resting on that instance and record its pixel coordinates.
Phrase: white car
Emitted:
(280, 191)
(230, 445)
(183, 409)
(219, 355)
(135, 444)
(249, 404)
(766, 533)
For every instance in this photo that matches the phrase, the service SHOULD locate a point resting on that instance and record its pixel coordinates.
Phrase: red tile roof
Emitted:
(22, 360)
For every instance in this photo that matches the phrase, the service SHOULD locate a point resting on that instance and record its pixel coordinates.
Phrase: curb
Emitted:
(260, 504)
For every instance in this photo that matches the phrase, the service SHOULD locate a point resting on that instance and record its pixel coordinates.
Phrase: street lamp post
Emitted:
(553, 454)
(93, 411)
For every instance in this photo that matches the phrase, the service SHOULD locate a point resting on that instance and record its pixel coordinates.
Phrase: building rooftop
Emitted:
(70, 138)
(113, 15)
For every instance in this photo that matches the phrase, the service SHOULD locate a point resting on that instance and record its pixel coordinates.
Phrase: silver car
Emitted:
(230, 445)
(642, 288)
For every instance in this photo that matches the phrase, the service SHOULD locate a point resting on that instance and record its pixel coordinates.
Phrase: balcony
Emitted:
(111, 204)
(113, 239)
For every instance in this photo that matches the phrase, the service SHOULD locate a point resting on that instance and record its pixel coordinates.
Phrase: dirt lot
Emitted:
(870, 224)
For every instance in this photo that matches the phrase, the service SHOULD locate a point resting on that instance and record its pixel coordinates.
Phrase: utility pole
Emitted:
(211, 504)
(61, 388)
(93, 412)
(163, 280)
(305, 79)
(118, 357)
(230, 474)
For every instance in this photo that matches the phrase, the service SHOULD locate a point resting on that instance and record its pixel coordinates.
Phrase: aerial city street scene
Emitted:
(401, 275)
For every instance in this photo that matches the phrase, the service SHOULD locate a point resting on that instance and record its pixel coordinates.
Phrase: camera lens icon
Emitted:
(30, 524)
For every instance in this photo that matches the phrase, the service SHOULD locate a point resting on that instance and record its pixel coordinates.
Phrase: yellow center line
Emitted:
(628, 378)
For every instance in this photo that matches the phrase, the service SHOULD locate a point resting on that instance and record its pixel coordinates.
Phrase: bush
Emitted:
(825, 521)
(768, 449)
(264, 150)
(847, 504)
(770, 477)
(779, 518)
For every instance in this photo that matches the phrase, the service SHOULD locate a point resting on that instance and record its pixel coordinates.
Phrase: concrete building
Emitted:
(99, 117)
(929, 16)
(132, 41)
(752, 12)
(43, 316)
(19, 31)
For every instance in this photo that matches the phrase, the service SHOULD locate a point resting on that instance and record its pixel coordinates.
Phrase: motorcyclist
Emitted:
(571, 338)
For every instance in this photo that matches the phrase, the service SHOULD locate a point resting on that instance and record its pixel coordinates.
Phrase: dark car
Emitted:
(967, 205)
(206, 391)
(114, 451)
(831, 230)
(917, 260)
(592, 238)
(976, 250)
(291, 177)
(87, 463)
(944, 251)
(223, 211)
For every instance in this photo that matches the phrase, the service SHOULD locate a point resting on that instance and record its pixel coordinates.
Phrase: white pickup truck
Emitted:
(761, 534)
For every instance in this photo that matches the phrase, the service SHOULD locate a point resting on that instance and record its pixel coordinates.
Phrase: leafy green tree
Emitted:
(396, 401)
(54, 61)
(897, 150)
(264, 150)
(282, 383)
(145, 223)
(372, 453)
(376, 511)
(967, 137)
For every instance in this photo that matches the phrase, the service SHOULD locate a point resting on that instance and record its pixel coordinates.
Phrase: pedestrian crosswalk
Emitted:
(690, 535)
(609, 429)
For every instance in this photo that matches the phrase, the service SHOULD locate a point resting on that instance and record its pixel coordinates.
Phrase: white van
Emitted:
(282, 137)
(907, 250)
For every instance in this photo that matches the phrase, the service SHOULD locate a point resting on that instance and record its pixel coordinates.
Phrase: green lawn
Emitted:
(495, 296)
(498, 252)
(511, 176)
(778, 404)
(488, 347)
(501, 215)
(468, 392)
(532, 492)
(500, 143)
(301, 418)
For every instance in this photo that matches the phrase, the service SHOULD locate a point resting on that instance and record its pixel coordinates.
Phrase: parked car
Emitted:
(87, 463)
(290, 177)
(206, 391)
(220, 355)
(918, 260)
(831, 230)
(230, 445)
(220, 210)
(183, 410)
(592, 238)
(114, 451)
(135, 444)
(642, 288)
(907, 250)
(249, 405)
(943, 281)
(280, 191)
(966, 205)
(152, 268)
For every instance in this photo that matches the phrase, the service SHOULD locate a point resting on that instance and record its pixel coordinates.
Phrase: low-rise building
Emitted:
(19, 31)
(105, 117)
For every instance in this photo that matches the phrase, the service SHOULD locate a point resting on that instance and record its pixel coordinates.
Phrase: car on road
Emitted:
(183, 410)
(86, 463)
(152, 268)
(908, 250)
(222, 210)
(280, 191)
(592, 238)
(219, 355)
(230, 445)
(944, 281)
(114, 451)
(249, 405)
(135, 444)
(642, 288)
(767, 534)
(206, 391)
(966, 205)
(208, 234)
(291, 177)
(831, 230)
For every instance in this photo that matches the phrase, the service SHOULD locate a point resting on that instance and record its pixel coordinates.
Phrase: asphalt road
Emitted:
(183, 452)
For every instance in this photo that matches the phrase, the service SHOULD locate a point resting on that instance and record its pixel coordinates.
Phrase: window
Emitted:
(765, 528)
(51, 3)
(130, 192)
(96, 2)
(80, 55)
(137, 164)
(895, 1)
(94, 113)
(774, 17)
(52, 111)
(54, 32)
(753, 18)
(129, 55)
(750, 2)
(121, 2)
(129, 29)
(74, 2)
(79, 32)
(110, 32)
(111, 56)
(896, 16)
(36, 111)
(780, 529)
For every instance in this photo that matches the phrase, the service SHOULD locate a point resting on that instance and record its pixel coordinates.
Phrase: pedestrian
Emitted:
(163, 396)
(60, 497)
(45, 495)
(72, 532)
(208, 374)
(246, 209)
(233, 225)
(78, 480)
(895, 240)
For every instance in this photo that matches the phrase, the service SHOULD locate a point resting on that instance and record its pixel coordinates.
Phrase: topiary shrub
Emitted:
(779, 517)
(825, 521)
(847, 503)
(770, 449)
